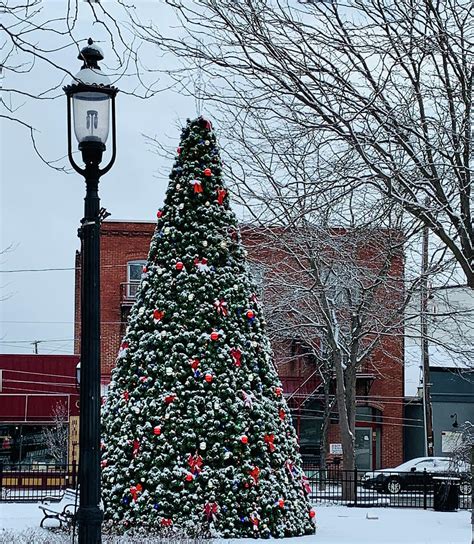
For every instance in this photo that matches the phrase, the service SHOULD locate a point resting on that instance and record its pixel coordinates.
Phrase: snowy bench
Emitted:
(63, 511)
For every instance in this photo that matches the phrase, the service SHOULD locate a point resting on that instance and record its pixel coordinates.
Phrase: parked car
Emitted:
(411, 475)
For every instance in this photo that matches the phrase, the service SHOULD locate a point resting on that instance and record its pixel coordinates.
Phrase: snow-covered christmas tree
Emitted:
(197, 433)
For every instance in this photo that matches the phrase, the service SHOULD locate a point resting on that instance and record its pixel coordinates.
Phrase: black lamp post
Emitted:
(91, 97)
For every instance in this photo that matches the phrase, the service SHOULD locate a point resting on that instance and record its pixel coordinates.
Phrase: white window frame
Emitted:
(132, 285)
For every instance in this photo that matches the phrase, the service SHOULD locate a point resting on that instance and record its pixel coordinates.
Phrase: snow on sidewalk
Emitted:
(336, 525)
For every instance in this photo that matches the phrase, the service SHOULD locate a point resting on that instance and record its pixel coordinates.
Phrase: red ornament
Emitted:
(250, 314)
(157, 430)
(244, 439)
(214, 335)
(195, 364)
(236, 355)
(103, 463)
(208, 378)
(282, 414)
(170, 398)
(281, 503)
(159, 214)
(166, 522)
(207, 172)
(189, 477)
(124, 345)
(255, 473)
(178, 151)
(179, 265)
(158, 315)
(312, 513)
(126, 395)
(136, 447)
(221, 194)
(278, 391)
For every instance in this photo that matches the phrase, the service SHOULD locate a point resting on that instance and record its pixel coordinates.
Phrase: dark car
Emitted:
(417, 473)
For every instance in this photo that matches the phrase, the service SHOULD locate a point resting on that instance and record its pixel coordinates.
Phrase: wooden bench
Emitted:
(64, 510)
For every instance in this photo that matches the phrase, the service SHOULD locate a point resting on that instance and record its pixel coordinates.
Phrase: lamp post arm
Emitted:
(104, 170)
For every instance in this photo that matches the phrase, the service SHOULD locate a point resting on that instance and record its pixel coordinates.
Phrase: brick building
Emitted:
(380, 381)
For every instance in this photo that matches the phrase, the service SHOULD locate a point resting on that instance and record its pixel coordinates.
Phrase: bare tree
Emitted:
(56, 436)
(388, 86)
(39, 41)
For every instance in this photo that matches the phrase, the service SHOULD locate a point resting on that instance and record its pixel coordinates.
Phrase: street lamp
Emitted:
(91, 98)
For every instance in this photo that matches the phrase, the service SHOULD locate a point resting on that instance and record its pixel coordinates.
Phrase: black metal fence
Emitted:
(332, 485)
(29, 482)
(396, 489)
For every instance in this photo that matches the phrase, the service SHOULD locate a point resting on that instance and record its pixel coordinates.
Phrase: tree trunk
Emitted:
(346, 426)
(328, 405)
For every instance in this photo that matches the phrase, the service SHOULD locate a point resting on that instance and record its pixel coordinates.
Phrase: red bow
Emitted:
(221, 194)
(195, 462)
(210, 509)
(306, 485)
(136, 447)
(221, 307)
(196, 185)
(236, 355)
(194, 364)
(269, 439)
(282, 414)
(166, 522)
(255, 473)
(134, 490)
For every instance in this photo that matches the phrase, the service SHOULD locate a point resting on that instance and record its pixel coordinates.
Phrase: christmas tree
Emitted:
(197, 433)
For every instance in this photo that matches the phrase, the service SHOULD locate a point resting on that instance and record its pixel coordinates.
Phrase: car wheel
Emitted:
(393, 486)
(465, 487)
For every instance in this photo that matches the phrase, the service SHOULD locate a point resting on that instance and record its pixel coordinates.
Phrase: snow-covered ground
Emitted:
(336, 525)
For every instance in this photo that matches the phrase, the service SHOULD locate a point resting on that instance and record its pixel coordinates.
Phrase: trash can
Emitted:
(446, 493)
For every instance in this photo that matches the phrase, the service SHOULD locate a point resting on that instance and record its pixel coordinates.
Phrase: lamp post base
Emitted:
(89, 519)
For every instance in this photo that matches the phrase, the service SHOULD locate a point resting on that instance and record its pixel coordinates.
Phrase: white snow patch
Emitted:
(335, 525)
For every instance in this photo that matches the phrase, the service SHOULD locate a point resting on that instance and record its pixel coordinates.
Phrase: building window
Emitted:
(134, 275)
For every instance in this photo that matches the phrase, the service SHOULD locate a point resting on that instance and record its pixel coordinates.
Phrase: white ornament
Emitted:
(251, 376)
(208, 203)
(166, 230)
(223, 244)
(163, 333)
(190, 296)
(207, 142)
(210, 485)
(254, 343)
(204, 244)
(178, 186)
(169, 371)
(202, 446)
(167, 415)
(181, 206)
(217, 405)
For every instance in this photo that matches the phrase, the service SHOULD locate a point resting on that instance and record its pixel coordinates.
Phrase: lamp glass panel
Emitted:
(91, 111)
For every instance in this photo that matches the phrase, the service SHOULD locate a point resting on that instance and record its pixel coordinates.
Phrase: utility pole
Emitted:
(425, 356)
(35, 344)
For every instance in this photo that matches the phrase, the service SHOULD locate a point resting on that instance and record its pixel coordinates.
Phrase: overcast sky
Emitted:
(41, 208)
